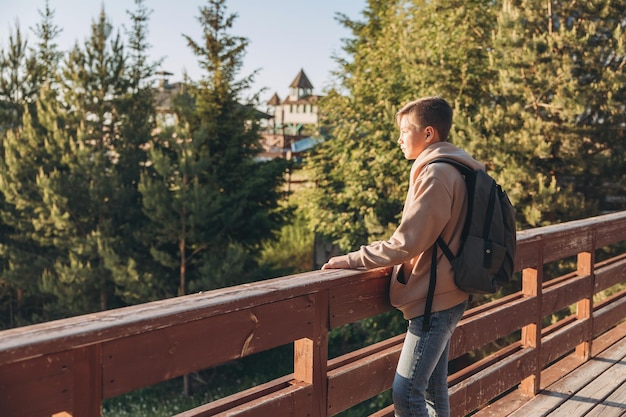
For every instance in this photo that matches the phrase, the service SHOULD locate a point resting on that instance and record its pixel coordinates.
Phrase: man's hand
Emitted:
(337, 262)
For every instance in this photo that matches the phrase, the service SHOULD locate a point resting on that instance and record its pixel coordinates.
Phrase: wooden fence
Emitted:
(68, 367)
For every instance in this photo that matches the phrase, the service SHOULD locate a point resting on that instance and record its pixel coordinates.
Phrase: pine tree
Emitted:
(71, 174)
(249, 189)
(17, 80)
(25, 258)
(211, 203)
(558, 104)
(137, 121)
(23, 69)
(79, 194)
(27, 255)
(47, 55)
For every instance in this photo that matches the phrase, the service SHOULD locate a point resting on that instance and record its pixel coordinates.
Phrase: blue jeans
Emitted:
(421, 381)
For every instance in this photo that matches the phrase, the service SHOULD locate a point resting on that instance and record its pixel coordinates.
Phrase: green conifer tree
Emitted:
(80, 196)
(211, 203)
(17, 80)
(83, 201)
(137, 121)
(26, 250)
(557, 106)
(47, 54)
(24, 258)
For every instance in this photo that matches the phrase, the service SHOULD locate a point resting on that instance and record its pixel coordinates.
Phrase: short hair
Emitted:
(428, 111)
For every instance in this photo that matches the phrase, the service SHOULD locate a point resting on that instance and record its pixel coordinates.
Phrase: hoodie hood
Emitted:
(443, 150)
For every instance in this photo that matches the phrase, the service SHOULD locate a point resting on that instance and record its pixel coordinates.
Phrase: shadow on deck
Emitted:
(70, 366)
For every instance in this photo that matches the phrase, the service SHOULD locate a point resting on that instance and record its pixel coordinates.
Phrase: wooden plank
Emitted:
(613, 406)
(479, 389)
(484, 363)
(526, 251)
(608, 339)
(610, 312)
(593, 393)
(610, 228)
(295, 400)
(584, 307)
(142, 360)
(357, 300)
(494, 304)
(365, 352)
(87, 389)
(480, 329)
(559, 392)
(567, 292)
(609, 275)
(385, 412)
(560, 342)
(240, 398)
(37, 387)
(568, 242)
(532, 285)
(567, 239)
(364, 378)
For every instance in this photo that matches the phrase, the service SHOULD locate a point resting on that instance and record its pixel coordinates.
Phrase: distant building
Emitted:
(299, 108)
(289, 127)
(293, 126)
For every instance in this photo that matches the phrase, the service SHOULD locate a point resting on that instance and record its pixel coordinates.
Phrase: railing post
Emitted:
(311, 356)
(532, 280)
(584, 307)
(87, 384)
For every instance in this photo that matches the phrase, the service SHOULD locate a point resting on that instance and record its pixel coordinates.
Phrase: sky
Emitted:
(284, 36)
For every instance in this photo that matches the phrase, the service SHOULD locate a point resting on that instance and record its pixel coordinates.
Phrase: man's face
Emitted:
(412, 140)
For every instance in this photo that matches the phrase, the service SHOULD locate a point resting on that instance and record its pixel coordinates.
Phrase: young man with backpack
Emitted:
(435, 206)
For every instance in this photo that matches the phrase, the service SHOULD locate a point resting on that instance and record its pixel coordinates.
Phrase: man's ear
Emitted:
(430, 133)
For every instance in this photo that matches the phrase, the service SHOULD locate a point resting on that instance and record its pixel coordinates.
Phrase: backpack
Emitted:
(486, 256)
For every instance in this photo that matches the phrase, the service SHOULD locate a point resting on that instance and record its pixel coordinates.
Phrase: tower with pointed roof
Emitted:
(293, 122)
(299, 108)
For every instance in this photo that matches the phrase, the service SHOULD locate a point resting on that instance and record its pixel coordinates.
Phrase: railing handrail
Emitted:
(25, 342)
(323, 300)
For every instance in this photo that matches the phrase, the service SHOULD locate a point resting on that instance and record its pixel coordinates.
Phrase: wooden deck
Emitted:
(595, 388)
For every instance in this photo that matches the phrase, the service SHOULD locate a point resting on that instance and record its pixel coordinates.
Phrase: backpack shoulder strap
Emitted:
(431, 290)
(465, 171)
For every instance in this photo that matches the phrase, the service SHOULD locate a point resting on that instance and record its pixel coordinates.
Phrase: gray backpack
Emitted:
(486, 256)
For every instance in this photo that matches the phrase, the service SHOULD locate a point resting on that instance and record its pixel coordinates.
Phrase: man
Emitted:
(436, 205)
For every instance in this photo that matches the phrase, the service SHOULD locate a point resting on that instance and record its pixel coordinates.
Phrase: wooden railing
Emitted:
(69, 366)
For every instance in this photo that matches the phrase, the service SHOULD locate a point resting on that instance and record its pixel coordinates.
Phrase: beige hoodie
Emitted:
(435, 205)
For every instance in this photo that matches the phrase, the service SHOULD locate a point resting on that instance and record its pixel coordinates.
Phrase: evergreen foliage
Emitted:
(25, 74)
(558, 106)
(91, 197)
(404, 50)
(538, 94)
(210, 202)
(17, 79)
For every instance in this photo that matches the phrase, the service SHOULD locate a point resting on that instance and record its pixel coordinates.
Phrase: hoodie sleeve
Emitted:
(427, 211)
